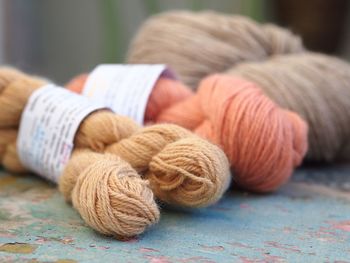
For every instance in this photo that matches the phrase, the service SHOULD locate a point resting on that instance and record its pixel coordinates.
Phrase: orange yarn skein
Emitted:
(262, 141)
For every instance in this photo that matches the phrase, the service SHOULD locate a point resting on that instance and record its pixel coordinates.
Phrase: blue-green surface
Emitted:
(308, 220)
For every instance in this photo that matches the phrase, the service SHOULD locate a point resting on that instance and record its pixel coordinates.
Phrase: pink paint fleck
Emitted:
(238, 244)
(244, 206)
(248, 260)
(284, 247)
(287, 230)
(148, 249)
(160, 259)
(67, 240)
(271, 258)
(196, 260)
(41, 240)
(213, 248)
(7, 235)
(129, 240)
(104, 247)
(345, 226)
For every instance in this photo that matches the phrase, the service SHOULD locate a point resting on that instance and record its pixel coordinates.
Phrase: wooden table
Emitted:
(308, 220)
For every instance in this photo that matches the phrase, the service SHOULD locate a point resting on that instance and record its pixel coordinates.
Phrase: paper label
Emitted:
(47, 129)
(124, 88)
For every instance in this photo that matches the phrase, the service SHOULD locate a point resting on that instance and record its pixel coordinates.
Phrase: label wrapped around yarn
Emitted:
(124, 88)
(47, 129)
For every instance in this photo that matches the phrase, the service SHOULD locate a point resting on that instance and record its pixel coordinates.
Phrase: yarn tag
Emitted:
(124, 88)
(47, 129)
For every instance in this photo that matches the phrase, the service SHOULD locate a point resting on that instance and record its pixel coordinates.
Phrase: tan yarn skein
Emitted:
(195, 45)
(315, 86)
(182, 168)
(109, 195)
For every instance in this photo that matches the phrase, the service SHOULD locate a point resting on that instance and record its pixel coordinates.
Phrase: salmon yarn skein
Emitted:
(109, 195)
(263, 142)
(317, 87)
(183, 169)
(197, 44)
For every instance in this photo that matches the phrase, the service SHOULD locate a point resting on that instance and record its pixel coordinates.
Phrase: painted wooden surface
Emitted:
(308, 220)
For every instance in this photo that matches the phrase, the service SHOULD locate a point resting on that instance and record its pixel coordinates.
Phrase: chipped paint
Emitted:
(7, 180)
(213, 248)
(18, 248)
(148, 250)
(303, 222)
(66, 261)
(160, 259)
(345, 226)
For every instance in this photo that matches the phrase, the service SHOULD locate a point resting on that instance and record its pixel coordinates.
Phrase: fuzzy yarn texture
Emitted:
(262, 141)
(317, 87)
(196, 44)
(313, 85)
(102, 178)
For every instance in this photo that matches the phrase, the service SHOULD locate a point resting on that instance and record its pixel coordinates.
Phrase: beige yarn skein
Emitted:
(109, 195)
(183, 169)
(195, 45)
(313, 85)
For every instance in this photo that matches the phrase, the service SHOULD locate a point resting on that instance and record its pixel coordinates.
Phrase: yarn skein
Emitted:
(263, 142)
(313, 85)
(109, 195)
(317, 87)
(174, 38)
(182, 168)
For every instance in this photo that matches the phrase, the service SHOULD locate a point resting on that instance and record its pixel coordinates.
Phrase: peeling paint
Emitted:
(148, 250)
(213, 248)
(66, 261)
(18, 248)
(301, 222)
(7, 180)
(63, 240)
(158, 259)
(345, 226)
(286, 247)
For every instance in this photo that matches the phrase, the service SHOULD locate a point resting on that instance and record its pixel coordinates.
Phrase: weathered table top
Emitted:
(308, 220)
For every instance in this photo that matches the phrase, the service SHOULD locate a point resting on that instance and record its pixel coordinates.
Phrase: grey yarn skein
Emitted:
(195, 45)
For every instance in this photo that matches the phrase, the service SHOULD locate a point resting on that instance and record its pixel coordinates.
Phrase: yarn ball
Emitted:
(197, 44)
(262, 141)
(108, 194)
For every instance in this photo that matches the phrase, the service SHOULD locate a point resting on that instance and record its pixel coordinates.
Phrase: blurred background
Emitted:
(59, 39)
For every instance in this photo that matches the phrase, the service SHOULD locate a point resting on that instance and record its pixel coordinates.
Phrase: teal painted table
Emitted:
(308, 220)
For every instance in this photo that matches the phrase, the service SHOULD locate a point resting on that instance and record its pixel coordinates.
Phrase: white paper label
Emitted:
(47, 129)
(124, 88)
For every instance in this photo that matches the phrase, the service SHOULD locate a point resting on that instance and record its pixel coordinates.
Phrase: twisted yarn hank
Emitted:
(317, 87)
(197, 44)
(263, 142)
(182, 169)
(312, 85)
(109, 195)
